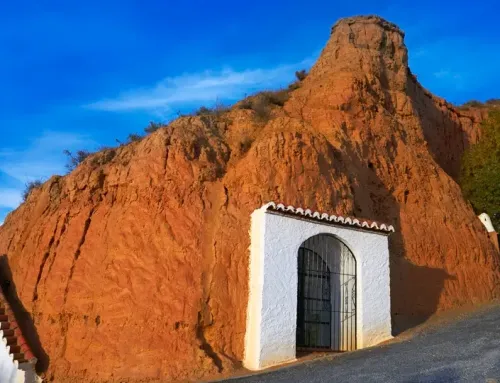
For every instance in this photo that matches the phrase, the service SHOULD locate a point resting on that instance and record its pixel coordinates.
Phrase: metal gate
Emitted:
(326, 299)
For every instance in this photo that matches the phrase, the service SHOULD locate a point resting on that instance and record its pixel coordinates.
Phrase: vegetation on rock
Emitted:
(76, 159)
(29, 188)
(493, 102)
(153, 127)
(132, 137)
(480, 176)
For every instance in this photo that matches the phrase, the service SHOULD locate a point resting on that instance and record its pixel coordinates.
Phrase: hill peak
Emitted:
(369, 19)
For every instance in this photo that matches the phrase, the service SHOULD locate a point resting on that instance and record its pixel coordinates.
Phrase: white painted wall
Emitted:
(9, 372)
(486, 220)
(272, 309)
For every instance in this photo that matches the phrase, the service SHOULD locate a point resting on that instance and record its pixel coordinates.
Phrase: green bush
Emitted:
(29, 188)
(480, 173)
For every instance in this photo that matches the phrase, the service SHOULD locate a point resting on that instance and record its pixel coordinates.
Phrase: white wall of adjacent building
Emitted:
(9, 372)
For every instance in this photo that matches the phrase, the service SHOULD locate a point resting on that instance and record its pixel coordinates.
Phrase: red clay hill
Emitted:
(135, 264)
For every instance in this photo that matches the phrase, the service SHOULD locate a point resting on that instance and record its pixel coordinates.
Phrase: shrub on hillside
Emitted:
(153, 127)
(262, 110)
(217, 110)
(76, 159)
(472, 104)
(262, 103)
(301, 75)
(132, 137)
(278, 97)
(202, 111)
(480, 173)
(104, 155)
(246, 103)
(29, 188)
(493, 102)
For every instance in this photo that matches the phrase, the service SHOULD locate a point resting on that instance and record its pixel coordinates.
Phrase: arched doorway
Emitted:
(326, 299)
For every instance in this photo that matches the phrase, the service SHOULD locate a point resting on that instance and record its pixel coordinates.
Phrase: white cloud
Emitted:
(41, 159)
(207, 86)
(443, 73)
(450, 79)
(10, 198)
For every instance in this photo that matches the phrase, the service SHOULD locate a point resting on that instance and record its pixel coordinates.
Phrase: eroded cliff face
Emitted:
(135, 265)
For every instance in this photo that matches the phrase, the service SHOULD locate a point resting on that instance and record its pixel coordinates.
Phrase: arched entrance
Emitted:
(326, 299)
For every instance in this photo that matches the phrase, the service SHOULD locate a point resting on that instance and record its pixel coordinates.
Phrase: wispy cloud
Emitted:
(419, 52)
(42, 158)
(447, 74)
(10, 198)
(207, 86)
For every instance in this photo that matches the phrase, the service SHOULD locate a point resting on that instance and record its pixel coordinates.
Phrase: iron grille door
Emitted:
(326, 299)
(314, 301)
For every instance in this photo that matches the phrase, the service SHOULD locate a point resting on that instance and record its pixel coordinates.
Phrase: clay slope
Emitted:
(135, 264)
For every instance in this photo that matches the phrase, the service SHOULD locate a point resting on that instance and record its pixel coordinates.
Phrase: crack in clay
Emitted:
(42, 266)
(65, 316)
(222, 203)
(63, 230)
(77, 254)
(205, 345)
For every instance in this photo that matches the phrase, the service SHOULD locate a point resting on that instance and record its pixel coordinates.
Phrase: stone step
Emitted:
(8, 332)
(15, 349)
(4, 325)
(19, 356)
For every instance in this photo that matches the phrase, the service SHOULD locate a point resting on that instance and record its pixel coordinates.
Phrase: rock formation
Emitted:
(135, 264)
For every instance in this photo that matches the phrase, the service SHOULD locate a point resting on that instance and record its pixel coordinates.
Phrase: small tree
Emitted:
(480, 175)
(29, 188)
(77, 159)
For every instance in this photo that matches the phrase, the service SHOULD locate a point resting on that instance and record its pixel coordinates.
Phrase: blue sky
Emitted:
(79, 75)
